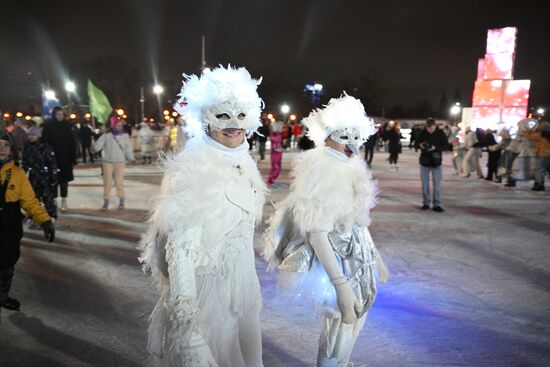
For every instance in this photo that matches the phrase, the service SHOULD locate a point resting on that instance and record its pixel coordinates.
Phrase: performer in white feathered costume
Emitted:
(199, 242)
(319, 234)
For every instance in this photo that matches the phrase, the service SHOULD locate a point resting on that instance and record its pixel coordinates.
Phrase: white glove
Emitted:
(347, 302)
(382, 269)
(199, 353)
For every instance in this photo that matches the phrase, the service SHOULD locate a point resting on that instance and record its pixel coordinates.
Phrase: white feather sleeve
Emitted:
(183, 291)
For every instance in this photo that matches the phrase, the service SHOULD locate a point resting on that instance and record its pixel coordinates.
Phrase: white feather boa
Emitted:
(328, 191)
(190, 206)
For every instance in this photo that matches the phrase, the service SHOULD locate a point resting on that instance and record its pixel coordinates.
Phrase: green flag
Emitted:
(99, 104)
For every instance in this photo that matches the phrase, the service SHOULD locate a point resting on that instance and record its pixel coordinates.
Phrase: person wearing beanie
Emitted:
(319, 238)
(41, 167)
(117, 150)
(58, 134)
(276, 138)
(16, 193)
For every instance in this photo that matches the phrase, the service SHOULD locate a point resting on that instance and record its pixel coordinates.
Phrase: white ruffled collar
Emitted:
(234, 155)
(338, 155)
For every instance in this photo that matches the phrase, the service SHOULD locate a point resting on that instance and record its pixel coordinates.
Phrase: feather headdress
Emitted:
(220, 89)
(344, 113)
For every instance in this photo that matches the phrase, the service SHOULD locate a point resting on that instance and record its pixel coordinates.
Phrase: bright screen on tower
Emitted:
(488, 93)
(502, 40)
(498, 66)
(512, 115)
(480, 69)
(485, 117)
(516, 93)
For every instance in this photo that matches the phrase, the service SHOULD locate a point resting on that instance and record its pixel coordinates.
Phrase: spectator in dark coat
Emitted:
(369, 145)
(85, 135)
(393, 136)
(262, 135)
(41, 167)
(58, 134)
(432, 142)
(494, 155)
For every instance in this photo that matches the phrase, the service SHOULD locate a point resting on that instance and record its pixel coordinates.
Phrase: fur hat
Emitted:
(344, 113)
(36, 131)
(222, 89)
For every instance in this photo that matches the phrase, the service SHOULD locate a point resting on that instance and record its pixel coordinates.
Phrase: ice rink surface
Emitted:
(468, 287)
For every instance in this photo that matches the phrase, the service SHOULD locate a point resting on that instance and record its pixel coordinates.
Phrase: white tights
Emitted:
(337, 341)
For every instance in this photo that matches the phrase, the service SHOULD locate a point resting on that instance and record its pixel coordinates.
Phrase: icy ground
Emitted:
(468, 287)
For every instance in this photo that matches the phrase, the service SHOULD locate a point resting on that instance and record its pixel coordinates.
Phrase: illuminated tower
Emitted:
(499, 101)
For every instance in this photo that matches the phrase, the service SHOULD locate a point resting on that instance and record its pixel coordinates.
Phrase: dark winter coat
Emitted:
(85, 134)
(59, 135)
(438, 140)
(393, 137)
(41, 167)
(263, 130)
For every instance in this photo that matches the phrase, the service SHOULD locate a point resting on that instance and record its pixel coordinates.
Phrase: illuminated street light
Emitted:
(175, 114)
(72, 116)
(28, 118)
(455, 110)
(285, 108)
(6, 115)
(88, 116)
(270, 116)
(540, 111)
(125, 116)
(49, 94)
(120, 112)
(70, 86)
(158, 89)
(318, 87)
(19, 114)
(165, 112)
(293, 117)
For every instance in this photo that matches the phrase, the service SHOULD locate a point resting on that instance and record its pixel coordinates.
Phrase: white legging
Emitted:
(337, 341)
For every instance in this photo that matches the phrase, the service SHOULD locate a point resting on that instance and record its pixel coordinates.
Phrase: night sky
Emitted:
(419, 48)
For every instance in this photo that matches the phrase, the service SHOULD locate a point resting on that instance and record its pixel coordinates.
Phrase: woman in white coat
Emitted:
(199, 245)
(117, 150)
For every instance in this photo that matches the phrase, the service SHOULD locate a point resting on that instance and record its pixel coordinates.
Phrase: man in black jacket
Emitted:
(432, 142)
(262, 139)
(85, 134)
(58, 134)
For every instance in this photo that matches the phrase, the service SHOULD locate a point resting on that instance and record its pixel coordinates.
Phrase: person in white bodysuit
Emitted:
(319, 239)
(199, 243)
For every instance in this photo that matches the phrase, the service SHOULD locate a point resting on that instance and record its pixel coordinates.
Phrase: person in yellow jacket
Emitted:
(15, 193)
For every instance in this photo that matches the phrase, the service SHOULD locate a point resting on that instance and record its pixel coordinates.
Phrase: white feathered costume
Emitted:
(199, 243)
(326, 214)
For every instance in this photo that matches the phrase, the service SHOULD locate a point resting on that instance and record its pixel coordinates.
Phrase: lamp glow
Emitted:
(70, 86)
(49, 94)
(285, 108)
(158, 89)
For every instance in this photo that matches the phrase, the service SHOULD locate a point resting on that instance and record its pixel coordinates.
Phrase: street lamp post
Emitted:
(142, 103)
(70, 87)
(284, 110)
(455, 111)
(158, 90)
